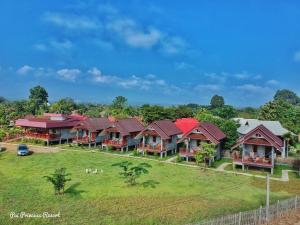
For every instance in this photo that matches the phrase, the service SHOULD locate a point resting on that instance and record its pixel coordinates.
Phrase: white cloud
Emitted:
(25, 69)
(66, 44)
(220, 78)
(242, 76)
(272, 82)
(173, 45)
(98, 77)
(133, 82)
(40, 47)
(252, 88)
(207, 87)
(297, 56)
(128, 30)
(69, 74)
(71, 21)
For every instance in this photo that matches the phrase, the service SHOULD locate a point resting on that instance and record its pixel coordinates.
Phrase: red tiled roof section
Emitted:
(44, 122)
(94, 124)
(165, 128)
(129, 125)
(213, 130)
(263, 132)
(186, 124)
(210, 131)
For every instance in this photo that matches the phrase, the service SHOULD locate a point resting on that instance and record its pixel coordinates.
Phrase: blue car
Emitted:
(23, 150)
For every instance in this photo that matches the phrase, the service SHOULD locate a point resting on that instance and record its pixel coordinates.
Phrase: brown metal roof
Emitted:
(94, 124)
(164, 128)
(210, 131)
(127, 126)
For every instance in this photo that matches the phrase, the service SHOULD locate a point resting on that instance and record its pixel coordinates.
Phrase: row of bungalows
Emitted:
(160, 137)
(259, 144)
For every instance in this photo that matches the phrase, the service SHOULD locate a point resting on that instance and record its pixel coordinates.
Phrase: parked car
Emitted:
(22, 150)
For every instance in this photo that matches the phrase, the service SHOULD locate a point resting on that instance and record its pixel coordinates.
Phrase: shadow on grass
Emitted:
(150, 183)
(73, 191)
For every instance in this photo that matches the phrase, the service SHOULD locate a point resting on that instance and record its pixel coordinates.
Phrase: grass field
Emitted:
(183, 194)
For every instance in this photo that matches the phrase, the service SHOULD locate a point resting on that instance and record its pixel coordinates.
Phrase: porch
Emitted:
(255, 156)
(42, 135)
(187, 154)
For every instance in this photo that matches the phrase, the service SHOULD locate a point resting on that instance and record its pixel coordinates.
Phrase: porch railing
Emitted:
(41, 135)
(115, 142)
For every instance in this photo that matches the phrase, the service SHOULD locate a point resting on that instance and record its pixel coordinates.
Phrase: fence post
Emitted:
(277, 208)
(296, 198)
(240, 218)
(259, 218)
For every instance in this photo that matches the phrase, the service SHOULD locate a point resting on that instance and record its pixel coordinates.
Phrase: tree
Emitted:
(288, 96)
(2, 99)
(225, 112)
(117, 107)
(120, 102)
(38, 99)
(206, 154)
(151, 113)
(131, 173)
(59, 180)
(64, 106)
(217, 101)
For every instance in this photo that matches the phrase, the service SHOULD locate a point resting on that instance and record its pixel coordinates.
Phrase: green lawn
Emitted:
(183, 194)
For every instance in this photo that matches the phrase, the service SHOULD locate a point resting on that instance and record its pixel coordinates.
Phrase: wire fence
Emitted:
(258, 216)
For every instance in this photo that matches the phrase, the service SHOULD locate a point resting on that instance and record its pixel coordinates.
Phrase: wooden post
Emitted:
(296, 199)
(277, 208)
(259, 218)
(240, 218)
(268, 197)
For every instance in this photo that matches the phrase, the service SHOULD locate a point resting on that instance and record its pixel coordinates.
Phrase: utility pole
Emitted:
(268, 197)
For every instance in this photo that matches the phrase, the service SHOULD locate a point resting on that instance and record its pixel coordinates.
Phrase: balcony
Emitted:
(183, 152)
(115, 143)
(44, 136)
(150, 147)
(84, 139)
(253, 160)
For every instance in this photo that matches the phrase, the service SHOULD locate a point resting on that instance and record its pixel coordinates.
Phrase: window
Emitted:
(118, 135)
(154, 139)
(111, 135)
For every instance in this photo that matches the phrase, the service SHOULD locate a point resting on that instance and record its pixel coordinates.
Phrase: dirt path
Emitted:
(292, 218)
(36, 149)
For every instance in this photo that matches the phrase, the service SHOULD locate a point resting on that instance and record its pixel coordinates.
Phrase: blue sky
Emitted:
(158, 52)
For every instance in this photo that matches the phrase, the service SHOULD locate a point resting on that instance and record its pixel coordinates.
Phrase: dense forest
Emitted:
(285, 107)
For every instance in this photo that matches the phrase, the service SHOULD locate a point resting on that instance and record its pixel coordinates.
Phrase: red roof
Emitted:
(261, 132)
(163, 128)
(186, 124)
(49, 121)
(94, 124)
(210, 131)
(127, 126)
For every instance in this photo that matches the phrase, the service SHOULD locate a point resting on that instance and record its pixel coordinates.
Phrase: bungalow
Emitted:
(195, 133)
(121, 133)
(50, 127)
(247, 125)
(159, 137)
(88, 131)
(258, 148)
